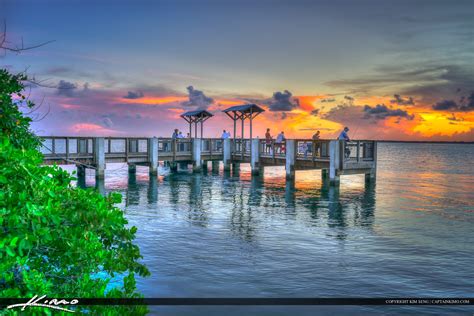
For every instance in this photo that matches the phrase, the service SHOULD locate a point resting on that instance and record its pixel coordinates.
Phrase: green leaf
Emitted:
(14, 241)
(10, 252)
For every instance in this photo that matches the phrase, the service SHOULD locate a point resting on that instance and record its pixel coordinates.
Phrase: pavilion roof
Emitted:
(197, 113)
(245, 108)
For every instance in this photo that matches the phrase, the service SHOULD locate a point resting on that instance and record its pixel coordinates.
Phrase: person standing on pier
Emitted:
(173, 140)
(316, 135)
(345, 137)
(225, 134)
(181, 144)
(175, 134)
(279, 142)
(268, 142)
(315, 145)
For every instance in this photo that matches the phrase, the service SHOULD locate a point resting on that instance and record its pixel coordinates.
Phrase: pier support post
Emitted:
(99, 157)
(173, 166)
(324, 174)
(100, 185)
(227, 153)
(254, 157)
(370, 176)
(197, 162)
(235, 168)
(215, 166)
(132, 168)
(81, 171)
(290, 158)
(334, 162)
(153, 156)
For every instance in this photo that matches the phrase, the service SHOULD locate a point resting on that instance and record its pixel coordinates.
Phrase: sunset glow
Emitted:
(375, 79)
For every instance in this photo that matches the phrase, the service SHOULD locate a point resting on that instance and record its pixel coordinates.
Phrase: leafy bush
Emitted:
(55, 238)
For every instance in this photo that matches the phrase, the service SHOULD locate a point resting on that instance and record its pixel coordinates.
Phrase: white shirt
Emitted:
(225, 135)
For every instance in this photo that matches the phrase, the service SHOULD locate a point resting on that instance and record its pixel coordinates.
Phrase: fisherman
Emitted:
(344, 136)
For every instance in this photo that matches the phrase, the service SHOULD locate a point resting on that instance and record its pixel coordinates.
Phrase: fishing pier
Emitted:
(333, 157)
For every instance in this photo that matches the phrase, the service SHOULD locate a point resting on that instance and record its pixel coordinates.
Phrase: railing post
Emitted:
(67, 149)
(126, 149)
(99, 157)
(334, 162)
(197, 161)
(255, 156)
(290, 158)
(227, 153)
(358, 151)
(153, 155)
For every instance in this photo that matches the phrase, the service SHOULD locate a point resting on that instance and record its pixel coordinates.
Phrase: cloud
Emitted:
(465, 104)
(454, 118)
(401, 101)
(197, 98)
(427, 80)
(134, 95)
(381, 111)
(70, 89)
(349, 98)
(315, 112)
(328, 100)
(283, 101)
(107, 122)
(445, 105)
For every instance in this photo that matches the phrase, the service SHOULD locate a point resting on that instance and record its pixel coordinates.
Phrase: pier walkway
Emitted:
(333, 157)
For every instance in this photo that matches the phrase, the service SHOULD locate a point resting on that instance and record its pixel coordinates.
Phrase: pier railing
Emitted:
(359, 150)
(83, 147)
(336, 157)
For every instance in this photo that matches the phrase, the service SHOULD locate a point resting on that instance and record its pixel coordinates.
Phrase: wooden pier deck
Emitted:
(334, 157)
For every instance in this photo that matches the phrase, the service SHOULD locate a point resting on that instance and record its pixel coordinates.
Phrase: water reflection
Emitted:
(246, 195)
(197, 214)
(152, 189)
(290, 191)
(133, 190)
(256, 191)
(241, 222)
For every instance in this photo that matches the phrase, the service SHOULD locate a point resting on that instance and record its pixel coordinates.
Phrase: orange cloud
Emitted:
(153, 100)
(308, 102)
(89, 128)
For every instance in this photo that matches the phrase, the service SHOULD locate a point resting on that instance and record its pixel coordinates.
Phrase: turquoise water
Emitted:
(222, 234)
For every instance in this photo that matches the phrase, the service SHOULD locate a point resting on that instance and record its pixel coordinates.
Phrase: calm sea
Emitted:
(222, 234)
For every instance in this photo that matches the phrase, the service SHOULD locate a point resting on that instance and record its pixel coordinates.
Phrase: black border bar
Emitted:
(190, 301)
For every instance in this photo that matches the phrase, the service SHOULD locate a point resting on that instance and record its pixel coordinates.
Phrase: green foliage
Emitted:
(55, 238)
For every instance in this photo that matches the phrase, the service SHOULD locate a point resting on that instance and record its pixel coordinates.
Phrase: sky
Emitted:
(393, 70)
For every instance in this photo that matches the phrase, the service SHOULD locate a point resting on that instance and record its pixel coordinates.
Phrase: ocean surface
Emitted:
(217, 234)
